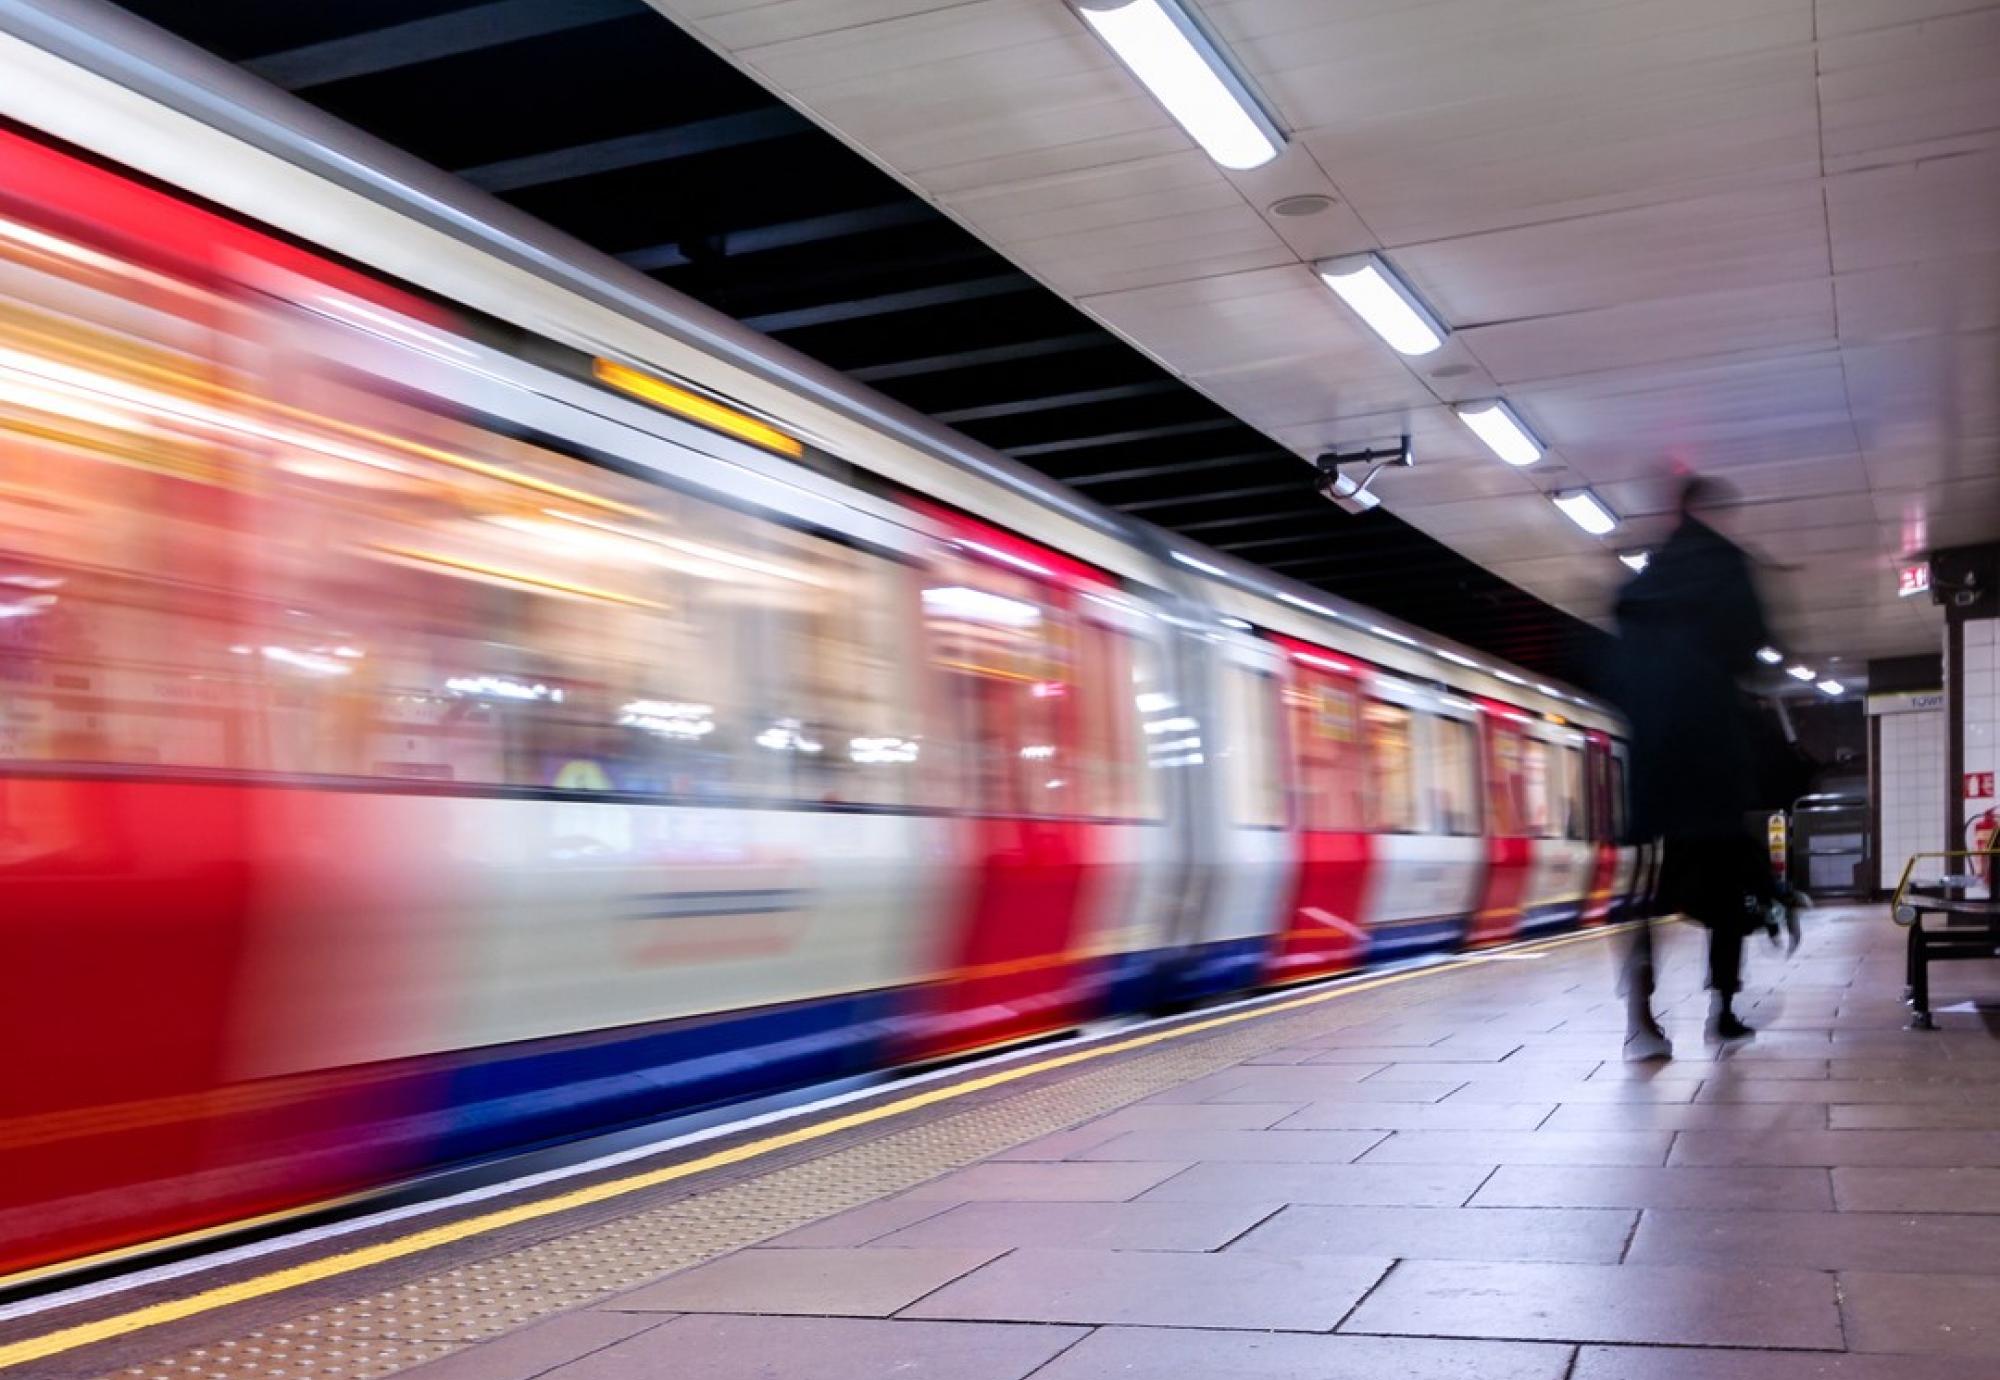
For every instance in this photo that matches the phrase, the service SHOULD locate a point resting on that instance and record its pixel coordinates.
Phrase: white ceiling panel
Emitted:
(1126, 193)
(1753, 237)
(1738, 240)
(1841, 17)
(1558, 151)
(1664, 330)
(1329, 62)
(1907, 299)
(956, 40)
(1913, 89)
(1297, 395)
(1910, 212)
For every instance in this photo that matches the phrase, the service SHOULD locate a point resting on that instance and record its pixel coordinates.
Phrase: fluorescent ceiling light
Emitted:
(1770, 656)
(1800, 672)
(1831, 687)
(1187, 74)
(1495, 423)
(1378, 296)
(1636, 561)
(1581, 507)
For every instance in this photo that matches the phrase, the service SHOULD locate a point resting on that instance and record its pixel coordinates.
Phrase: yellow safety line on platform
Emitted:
(361, 1258)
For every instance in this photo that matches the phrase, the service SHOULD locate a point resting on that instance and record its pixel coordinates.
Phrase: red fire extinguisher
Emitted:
(1982, 831)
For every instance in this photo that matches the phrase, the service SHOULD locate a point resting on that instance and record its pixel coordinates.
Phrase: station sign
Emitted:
(1913, 578)
(1906, 702)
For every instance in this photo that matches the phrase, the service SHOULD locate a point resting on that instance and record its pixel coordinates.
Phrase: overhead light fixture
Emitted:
(1770, 656)
(1495, 423)
(1636, 561)
(1366, 283)
(1189, 75)
(1800, 672)
(1581, 507)
(1831, 687)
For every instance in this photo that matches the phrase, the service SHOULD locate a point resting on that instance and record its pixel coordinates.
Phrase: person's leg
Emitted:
(1726, 913)
(1643, 1037)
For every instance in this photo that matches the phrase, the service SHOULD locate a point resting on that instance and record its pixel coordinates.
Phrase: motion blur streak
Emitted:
(414, 747)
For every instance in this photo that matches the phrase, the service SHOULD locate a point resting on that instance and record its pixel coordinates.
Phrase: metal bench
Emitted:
(1967, 926)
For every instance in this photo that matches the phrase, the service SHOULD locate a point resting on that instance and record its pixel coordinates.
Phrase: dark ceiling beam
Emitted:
(1219, 462)
(854, 309)
(1147, 505)
(789, 234)
(1049, 402)
(427, 40)
(1120, 438)
(974, 359)
(637, 150)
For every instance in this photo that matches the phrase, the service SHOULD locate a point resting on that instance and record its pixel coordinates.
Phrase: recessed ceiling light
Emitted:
(1504, 434)
(1636, 561)
(1188, 74)
(1831, 687)
(1770, 656)
(1366, 283)
(1307, 204)
(1582, 507)
(1800, 672)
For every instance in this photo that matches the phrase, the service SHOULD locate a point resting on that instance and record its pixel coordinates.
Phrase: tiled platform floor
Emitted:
(1474, 1186)
(1483, 1189)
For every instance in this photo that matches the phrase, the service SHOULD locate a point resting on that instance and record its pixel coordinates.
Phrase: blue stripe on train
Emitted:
(1411, 939)
(1557, 915)
(501, 1100)
(570, 1086)
(1227, 965)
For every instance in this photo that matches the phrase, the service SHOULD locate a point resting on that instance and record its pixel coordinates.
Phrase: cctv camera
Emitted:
(1352, 495)
(1349, 494)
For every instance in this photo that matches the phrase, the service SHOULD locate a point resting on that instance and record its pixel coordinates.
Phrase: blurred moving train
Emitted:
(440, 715)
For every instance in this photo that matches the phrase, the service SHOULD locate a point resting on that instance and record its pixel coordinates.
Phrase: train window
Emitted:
(1248, 750)
(1326, 749)
(1392, 785)
(1165, 734)
(1457, 779)
(1575, 802)
(1537, 815)
(1618, 801)
(1505, 802)
(1004, 648)
(1114, 670)
(119, 593)
(837, 724)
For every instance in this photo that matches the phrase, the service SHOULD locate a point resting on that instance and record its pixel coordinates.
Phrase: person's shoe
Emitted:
(1726, 1026)
(1648, 1042)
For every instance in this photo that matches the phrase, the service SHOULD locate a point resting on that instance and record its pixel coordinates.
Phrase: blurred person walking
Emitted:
(1689, 625)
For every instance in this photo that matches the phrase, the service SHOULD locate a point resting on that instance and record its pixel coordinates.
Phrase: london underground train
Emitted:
(453, 700)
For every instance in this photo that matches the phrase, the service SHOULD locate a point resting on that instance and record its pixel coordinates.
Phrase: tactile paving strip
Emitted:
(393, 1330)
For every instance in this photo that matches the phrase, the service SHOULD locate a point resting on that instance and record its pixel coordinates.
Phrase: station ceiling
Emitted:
(1754, 238)
(620, 127)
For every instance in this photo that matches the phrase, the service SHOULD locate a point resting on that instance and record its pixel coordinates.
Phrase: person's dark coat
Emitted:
(1689, 625)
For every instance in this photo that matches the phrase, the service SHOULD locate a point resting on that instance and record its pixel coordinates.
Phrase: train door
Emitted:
(1508, 845)
(1248, 820)
(1628, 876)
(1132, 730)
(1563, 857)
(1424, 818)
(1600, 899)
(1324, 929)
(1018, 668)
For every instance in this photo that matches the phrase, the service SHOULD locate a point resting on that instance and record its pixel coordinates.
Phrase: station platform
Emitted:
(1447, 1171)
